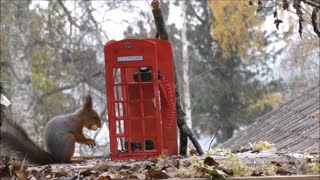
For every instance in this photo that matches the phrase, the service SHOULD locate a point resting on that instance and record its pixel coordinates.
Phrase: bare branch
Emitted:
(56, 90)
(70, 86)
(95, 22)
(68, 14)
(206, 72)
(214, 137)
(194, 12)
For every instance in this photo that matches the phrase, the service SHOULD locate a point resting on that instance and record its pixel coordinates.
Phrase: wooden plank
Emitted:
(306, 177)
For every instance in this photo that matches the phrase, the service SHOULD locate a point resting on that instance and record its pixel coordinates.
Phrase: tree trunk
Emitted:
(185, 64)
(185, 131)
(227, 133)
(22, 107)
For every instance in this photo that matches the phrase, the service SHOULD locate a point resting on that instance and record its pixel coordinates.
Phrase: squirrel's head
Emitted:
(89, 117)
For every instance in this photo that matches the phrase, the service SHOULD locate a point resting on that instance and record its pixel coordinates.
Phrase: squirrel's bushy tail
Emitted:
(14, 141)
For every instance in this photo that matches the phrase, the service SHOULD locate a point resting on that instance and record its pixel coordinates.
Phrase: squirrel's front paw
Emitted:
(91, 142)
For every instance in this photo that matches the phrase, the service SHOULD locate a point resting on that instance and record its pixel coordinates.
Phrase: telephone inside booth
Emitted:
(141, 98)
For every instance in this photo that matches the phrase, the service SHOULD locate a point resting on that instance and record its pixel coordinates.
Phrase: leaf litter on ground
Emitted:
(261, 160)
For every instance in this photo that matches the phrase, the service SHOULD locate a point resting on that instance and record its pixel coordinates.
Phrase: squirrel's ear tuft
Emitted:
(87, 104)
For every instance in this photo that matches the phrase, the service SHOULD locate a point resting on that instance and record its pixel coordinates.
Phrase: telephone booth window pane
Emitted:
(121, 144)
(142, 74)
(120, 126)
(136, 144)
(150, 144)
(119, 109)
(116, 75)
(118, 94)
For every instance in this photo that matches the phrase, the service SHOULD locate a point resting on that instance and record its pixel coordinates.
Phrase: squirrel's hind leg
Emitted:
(63, 148)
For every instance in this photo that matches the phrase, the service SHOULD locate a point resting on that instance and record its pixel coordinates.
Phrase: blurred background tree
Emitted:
(44, 51)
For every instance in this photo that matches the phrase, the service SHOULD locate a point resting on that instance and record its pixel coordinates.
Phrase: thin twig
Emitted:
(68, 14)
(205, 72)
(148, 3)
(214, 137)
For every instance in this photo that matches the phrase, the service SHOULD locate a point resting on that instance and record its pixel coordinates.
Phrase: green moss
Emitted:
(236, 165)
(315, 168)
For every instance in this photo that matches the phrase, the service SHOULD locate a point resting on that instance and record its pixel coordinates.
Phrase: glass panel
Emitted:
(145, 74)
(119, 109)
(149, 144)
(136, 145)
(118, 95)
(141, 74)
(120, 126)
(121, 144)
(116, 76)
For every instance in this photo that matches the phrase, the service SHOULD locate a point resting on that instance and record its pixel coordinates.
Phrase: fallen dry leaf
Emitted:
(133, 177)
(256, 173)
(193, 152)
(154, 160)
(21, 174)
(282, 171)
(100, 166)
(104, 178)
(148, 167)
(86, 173)
(16, 166)
(209, 161)
(124, 173)
(156, 174)
(276, 163)
(124, 167)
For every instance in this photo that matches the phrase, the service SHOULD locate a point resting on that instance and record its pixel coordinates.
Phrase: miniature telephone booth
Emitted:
(141, 98)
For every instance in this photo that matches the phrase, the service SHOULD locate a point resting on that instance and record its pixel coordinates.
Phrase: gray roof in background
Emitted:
(291, 127)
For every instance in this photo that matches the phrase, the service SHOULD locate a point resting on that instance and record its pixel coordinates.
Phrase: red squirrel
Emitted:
(61, 133)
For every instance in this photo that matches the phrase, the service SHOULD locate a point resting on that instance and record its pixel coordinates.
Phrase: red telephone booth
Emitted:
(141, 98)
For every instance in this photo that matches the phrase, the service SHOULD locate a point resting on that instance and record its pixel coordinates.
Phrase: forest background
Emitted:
(233, 63)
